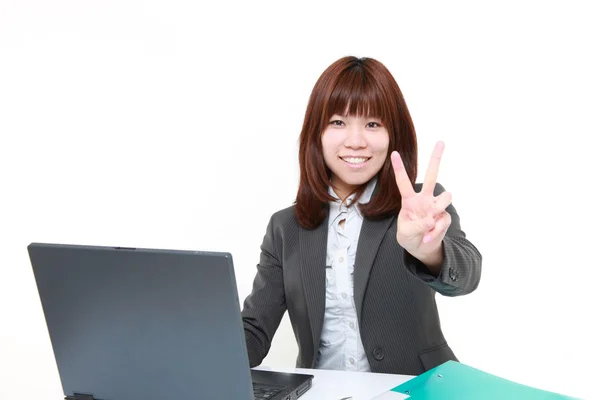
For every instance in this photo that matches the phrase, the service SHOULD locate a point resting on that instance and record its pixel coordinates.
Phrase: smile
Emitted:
(355, 162)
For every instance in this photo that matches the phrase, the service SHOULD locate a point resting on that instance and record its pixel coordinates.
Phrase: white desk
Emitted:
(334, 385)
(326, 385)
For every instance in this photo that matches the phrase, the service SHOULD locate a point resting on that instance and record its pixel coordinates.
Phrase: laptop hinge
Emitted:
(80, 396)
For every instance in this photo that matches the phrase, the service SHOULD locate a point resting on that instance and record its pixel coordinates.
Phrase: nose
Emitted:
(355, 138)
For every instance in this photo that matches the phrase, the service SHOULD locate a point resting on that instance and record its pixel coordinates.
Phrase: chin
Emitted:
(357, 180)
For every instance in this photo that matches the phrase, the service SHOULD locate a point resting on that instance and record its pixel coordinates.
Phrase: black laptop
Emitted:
(141, 324)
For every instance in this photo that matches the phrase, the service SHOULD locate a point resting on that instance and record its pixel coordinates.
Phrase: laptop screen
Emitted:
(143, 324)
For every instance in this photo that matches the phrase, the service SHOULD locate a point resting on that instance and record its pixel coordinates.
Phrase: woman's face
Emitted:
(354, 149)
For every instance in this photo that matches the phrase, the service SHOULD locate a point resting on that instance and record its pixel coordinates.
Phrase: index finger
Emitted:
(433, 168)
(402, 180)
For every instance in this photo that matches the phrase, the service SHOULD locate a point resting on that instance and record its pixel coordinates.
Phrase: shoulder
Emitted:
(284, 218)
(437, 190)
(282, 227)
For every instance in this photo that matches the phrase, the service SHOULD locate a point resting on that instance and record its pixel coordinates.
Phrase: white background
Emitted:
(169, 124)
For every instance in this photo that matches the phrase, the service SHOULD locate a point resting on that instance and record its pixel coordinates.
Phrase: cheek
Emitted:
(330, 142)
(381, 143)
(328, 151)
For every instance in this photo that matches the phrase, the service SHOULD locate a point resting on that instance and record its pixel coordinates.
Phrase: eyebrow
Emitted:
(369, 117)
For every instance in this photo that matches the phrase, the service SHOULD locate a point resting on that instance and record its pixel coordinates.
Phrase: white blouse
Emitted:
(341, 347)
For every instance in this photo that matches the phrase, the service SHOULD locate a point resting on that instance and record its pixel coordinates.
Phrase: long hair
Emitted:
(360, 87)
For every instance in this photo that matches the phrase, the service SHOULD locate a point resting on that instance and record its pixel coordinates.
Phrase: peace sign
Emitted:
(423, 220)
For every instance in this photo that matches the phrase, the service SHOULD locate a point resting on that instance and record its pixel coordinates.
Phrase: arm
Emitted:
(460, 269)
(265, 306)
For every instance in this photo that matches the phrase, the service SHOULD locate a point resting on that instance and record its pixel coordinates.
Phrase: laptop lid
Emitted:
(142, 324)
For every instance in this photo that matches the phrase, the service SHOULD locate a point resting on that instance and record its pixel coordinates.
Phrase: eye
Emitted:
(373, 125)
(336, 122)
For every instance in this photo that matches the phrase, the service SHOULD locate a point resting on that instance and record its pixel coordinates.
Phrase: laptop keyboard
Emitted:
(262, 392)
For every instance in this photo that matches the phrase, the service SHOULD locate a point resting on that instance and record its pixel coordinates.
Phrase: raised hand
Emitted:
(422, 221)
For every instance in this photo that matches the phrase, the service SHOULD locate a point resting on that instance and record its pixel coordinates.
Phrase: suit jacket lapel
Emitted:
(371, 235)
(313, 253)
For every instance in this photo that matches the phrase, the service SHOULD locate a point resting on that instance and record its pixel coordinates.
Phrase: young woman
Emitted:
(357, 260)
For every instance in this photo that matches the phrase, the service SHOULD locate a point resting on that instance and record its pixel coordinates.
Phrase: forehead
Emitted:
(360, 98)
(360, 112)
(363, 111)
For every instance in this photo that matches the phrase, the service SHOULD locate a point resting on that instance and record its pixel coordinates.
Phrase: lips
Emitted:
(355, 162)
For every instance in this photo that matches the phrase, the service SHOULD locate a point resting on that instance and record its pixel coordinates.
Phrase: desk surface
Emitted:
(335, 385)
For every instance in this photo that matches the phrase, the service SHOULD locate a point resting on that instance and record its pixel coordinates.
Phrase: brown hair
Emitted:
(357, 87)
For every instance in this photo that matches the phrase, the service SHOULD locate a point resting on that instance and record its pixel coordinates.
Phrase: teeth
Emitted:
(355, 160)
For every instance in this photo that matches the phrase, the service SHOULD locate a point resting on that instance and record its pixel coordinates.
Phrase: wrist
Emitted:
(433, 259)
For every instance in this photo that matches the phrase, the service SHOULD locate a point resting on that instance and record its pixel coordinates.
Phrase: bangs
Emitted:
(356, 94)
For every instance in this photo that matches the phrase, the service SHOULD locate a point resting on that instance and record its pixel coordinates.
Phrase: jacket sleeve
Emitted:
(461, 269)
(264, 308)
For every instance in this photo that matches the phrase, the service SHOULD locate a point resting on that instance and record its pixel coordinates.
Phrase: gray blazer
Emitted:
(393, 292)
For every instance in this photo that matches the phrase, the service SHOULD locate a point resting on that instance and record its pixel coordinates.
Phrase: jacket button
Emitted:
(378, 354)
(453, 273)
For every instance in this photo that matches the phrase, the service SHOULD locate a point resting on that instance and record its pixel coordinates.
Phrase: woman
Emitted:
(357, 260)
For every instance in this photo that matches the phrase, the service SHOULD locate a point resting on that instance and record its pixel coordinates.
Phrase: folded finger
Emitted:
(441, 227)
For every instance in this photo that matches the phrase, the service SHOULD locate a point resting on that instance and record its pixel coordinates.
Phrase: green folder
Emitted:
(454, 380)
